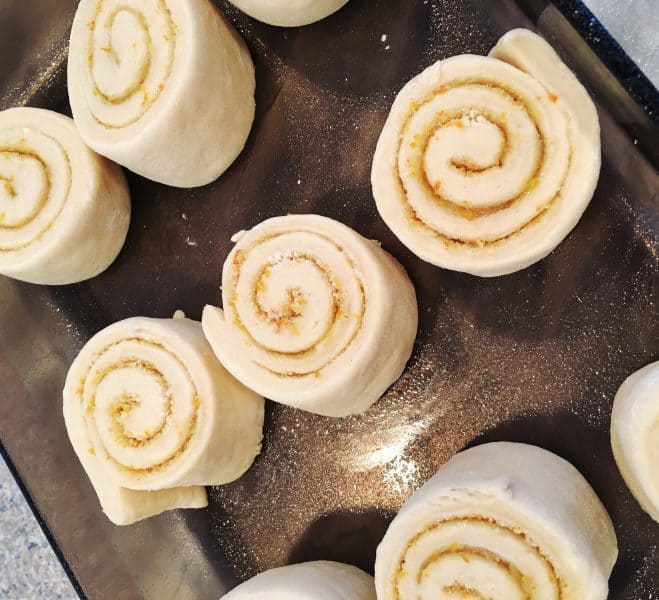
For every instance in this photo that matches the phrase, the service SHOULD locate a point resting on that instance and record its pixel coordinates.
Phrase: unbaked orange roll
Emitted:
(289, 13)
(317, 580)
(315, 316)
(64, 210)
(152, 415)
(502, 521)
(635, 435)
(163, 87)
(485, 164)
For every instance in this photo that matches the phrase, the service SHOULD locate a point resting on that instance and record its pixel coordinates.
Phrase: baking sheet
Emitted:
(535, 356)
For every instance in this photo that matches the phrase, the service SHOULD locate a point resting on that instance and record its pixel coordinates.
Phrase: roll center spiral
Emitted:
(24, 184)
(297, 298)
(469, 557)
(480, 145)
(295, 303)
(136, 418)
(130, 56)
(473, 146)
(448, 570)
(35, 182)
(140, 405)
(481, 155)
(122, 57)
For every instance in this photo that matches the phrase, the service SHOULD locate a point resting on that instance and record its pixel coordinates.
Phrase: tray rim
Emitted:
(609, 51)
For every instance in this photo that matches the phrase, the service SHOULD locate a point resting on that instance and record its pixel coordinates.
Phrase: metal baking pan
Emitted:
(535, 356)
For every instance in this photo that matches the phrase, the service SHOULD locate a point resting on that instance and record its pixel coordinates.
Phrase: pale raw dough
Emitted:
(485, 164)
(152, 415)
(319, 580)
(500, 520)
(163, 87)
(315, 316)
(64, 210)
(635, 435)
(289, 13)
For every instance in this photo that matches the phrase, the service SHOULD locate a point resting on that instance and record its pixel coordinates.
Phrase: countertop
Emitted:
(635, 25)
(28, 567)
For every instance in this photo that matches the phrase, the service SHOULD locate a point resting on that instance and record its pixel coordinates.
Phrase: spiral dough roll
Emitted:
(289, 13)
(315, 316)
(64, 210)
(319, 580)
(485, 164)
(635, 435)
(163, 87)
(500, 521)
(152, 416)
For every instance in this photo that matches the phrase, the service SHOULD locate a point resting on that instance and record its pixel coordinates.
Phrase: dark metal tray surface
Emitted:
(535, 356)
